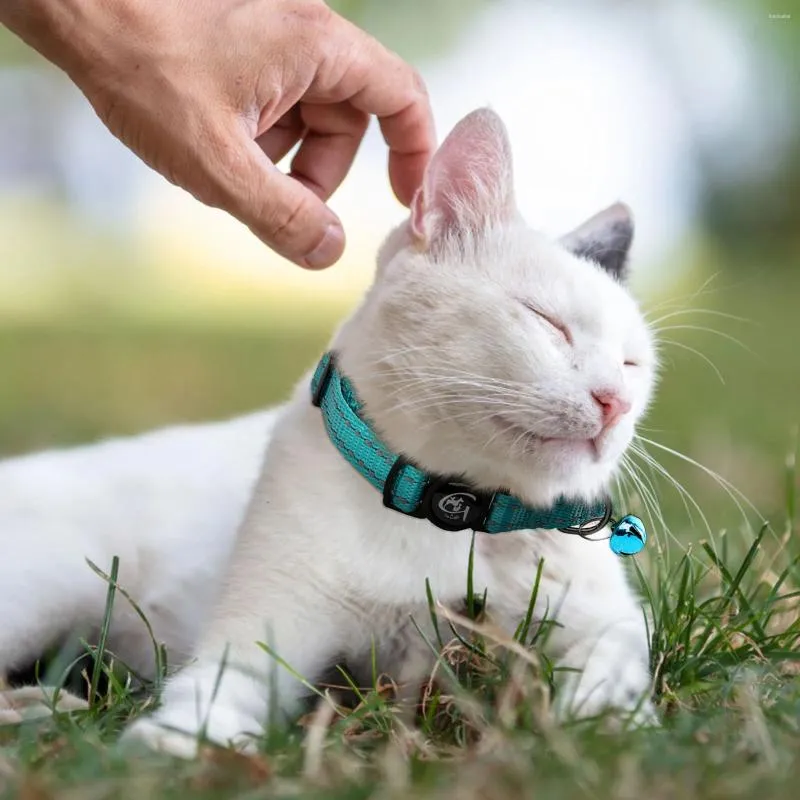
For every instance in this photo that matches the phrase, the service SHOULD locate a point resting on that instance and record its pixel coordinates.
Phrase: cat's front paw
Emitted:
(152, 736)
(623, 690)
(169, 733)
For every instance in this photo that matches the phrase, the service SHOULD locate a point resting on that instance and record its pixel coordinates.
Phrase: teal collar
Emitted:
(448, 502)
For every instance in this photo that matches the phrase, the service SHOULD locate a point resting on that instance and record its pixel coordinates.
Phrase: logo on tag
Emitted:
(455, 507)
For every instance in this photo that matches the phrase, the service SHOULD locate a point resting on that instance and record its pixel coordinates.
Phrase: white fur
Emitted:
(167, 503)
(440, 346)
(448, 357)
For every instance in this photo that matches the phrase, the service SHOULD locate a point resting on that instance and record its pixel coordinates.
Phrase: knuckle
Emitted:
(418, 82)
(309, 35)
(356, 121)
(286, 222)
(362, 124)
(318, 13)
(312, 20)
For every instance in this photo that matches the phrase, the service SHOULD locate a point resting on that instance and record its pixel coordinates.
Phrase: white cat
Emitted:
(483, 351)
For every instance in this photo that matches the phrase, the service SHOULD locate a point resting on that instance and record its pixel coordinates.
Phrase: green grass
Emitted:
(725, 640)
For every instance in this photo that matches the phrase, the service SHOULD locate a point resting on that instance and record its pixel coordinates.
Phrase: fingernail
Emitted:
(328, 250)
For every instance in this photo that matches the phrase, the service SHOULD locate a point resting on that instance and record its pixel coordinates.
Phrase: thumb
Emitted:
(286, 215)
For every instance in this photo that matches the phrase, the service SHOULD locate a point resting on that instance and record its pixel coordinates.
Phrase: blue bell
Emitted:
(628, 536)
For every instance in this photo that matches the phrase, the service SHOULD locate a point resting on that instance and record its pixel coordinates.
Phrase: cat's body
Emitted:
(483, 351)
(168, 503)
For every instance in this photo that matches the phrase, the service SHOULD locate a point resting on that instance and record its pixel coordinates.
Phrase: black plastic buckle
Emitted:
(449, 505)
(324, 380)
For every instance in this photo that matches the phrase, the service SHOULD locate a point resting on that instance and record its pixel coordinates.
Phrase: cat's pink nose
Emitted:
(612, 406)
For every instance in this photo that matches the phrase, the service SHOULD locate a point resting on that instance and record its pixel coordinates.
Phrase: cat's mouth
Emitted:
(526, 441)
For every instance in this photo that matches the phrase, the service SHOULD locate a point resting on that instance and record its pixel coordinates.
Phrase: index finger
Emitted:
(379, 82)
(411, 137)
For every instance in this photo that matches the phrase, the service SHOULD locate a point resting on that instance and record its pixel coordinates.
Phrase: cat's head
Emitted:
(485, 349)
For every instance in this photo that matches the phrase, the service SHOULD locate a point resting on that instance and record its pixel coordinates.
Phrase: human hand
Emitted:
(211, 93)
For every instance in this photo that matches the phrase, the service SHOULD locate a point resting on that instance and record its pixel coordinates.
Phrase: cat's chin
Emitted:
(526, 442)
(540, 468)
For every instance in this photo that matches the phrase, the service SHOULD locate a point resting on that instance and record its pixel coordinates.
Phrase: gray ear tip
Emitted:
(622, 209)
(605, 239)
(621, 214)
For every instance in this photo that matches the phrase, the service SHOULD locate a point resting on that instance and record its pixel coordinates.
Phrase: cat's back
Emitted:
(149, 481)
(167, 503)
(178, 493)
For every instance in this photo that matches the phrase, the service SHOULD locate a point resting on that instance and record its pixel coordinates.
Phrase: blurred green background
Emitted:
(117, 315)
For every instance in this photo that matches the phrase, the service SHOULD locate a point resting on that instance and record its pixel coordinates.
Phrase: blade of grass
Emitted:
(97, 669)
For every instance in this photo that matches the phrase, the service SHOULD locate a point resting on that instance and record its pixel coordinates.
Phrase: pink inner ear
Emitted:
(418, 213)
(469, 182)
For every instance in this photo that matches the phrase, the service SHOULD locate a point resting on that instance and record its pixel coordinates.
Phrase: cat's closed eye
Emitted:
(559, 326)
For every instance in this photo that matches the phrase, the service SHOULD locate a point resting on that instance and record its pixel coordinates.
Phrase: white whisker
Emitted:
(735, 494)
(705, 329)
(684, 311)
(703, 356)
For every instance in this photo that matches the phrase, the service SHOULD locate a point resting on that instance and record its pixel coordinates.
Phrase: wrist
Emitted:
(65, 32)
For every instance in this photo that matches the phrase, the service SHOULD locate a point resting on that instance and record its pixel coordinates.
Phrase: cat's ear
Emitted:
(605, 238)
(468, 184)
